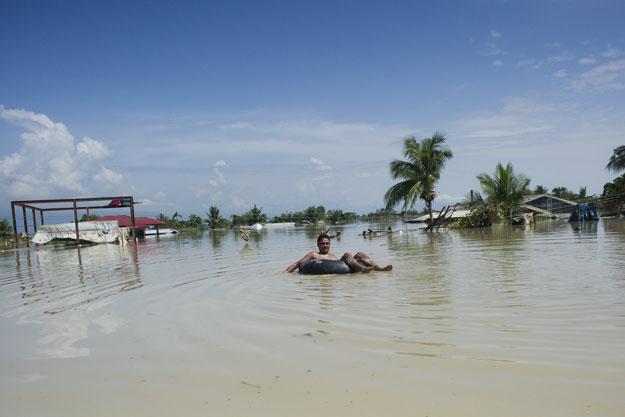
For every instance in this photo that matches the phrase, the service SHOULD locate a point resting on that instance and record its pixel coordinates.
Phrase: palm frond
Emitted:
(617, 160)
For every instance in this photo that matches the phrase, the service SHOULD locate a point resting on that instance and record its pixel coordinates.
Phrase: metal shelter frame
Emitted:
(34, 206)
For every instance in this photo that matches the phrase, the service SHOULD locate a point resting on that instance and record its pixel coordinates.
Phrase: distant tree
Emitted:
(215, 221)
(565, 193)
(256, 215)
(541, 189)
(560, 192)
(582, 193)
(419, 173)
(163, 217)
(315, 214)
(194, 221)
(505, 189)
(6, 231)
(335, 216)
(613, 195)
(617, 160)
(89, 218)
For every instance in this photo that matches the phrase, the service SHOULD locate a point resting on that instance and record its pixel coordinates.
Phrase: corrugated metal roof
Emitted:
(140, 222)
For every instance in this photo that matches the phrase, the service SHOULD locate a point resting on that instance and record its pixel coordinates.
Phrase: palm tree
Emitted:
(419, 173)
(505, 188)
(617, 160)
(214, 218)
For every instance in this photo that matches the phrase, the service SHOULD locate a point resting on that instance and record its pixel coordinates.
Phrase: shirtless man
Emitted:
(359, 262)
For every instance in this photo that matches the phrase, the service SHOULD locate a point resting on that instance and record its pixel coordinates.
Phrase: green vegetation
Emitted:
(419, 173)
(6, 231)
(253, 216)
(504, 189)
(89, 218)
(215, 221)
(540, 189)
(617, 160)
(613, 196)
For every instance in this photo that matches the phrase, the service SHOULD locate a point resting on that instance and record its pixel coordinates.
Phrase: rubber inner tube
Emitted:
(324, 266)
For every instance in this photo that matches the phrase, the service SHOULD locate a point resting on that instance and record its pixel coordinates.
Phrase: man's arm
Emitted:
(296, 265)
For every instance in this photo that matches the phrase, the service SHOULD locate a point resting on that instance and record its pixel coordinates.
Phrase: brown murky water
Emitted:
(510, 321)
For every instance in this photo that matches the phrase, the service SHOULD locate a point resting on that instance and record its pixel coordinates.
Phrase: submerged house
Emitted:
(141, 223)
(548, 205)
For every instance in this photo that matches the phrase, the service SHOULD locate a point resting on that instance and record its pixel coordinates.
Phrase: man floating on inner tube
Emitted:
(314, 262)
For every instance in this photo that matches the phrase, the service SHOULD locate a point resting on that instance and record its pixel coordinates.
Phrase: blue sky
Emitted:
(291, 104)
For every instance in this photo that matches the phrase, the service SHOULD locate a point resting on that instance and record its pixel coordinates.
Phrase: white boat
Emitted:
(279, 225)
(256, 226)
(154, 232)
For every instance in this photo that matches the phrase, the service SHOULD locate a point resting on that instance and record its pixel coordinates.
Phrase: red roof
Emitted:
(124, 221)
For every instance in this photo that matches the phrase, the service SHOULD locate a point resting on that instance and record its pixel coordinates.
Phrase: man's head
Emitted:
(323, 243)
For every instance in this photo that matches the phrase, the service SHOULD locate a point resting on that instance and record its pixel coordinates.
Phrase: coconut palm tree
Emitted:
(214, 220)
(617, 160)
(505, 188)
(419, 173)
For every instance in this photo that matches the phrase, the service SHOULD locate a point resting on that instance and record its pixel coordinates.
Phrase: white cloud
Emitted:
(108, 176)
(529, 62)
(92, 148)
(498, 63)
(587, 60)
(564, 56)
(612, 53)
(220, 163)
(238, 202)
(48, 163)
(495, 34)
(605, 76)
(320, 164)
(220, 175)
(236, 125)
(552, 45)
(561, 73)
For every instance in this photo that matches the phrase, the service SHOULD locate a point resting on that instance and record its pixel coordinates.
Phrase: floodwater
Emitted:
(508, 321)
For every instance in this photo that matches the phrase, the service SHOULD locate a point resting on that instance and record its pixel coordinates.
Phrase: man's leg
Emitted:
(354, 264)
(363, 258)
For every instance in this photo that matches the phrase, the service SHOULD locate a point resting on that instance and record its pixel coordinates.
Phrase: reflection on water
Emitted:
(211, 319)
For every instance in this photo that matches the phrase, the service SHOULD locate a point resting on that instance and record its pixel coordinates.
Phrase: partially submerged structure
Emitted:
(142, 225)
(95, 232)
(585, 212)
(548, 205)
(69, 204)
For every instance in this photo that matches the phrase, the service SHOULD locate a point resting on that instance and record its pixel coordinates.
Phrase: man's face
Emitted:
(324, 245)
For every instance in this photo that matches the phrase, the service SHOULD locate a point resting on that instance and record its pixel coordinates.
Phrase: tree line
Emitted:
(503, 191)
(312, 215)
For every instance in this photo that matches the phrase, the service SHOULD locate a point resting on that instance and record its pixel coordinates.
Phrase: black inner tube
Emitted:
(324, 266)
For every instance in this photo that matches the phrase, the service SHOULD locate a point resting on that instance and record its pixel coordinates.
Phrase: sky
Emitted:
(288, 104)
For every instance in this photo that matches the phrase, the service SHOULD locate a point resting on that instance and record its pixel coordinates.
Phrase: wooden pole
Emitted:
(25, 225)
(15, 241)
(76, 224)
(41, 214)
(34, 220)
(132, 218)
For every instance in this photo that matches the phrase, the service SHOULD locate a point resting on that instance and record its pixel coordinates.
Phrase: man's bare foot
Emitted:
(386, 268)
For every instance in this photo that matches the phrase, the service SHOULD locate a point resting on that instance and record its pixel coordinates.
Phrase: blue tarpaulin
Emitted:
(585, 211)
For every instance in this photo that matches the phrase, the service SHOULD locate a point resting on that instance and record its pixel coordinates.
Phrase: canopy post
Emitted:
(34, 220)
(15, 241)
(76, 224)
(132, 218)
(25, 225)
